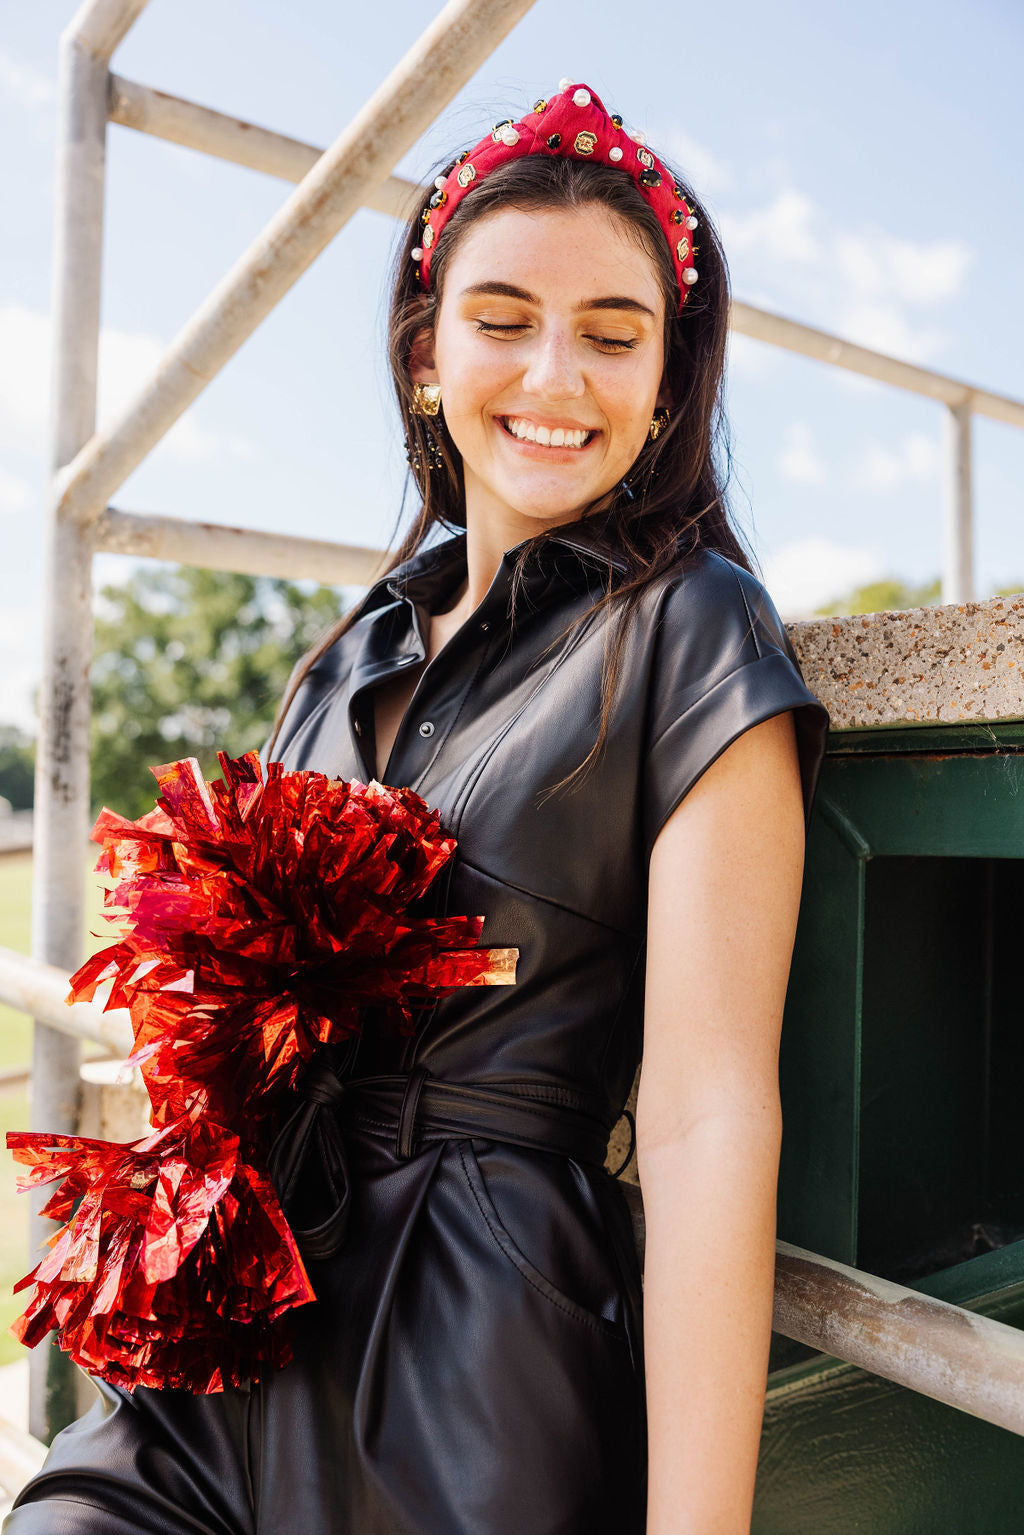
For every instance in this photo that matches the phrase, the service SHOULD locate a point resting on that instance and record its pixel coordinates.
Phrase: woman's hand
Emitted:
(725, 881)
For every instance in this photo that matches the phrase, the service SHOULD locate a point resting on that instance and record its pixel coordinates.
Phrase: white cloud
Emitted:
(25, 85)
(781, 231)
(16, 494)
(126, 361)
(798, 458)
(747, 357)
(20, 646)
(885, 328)
(24, 374)
(709, 176)
(916, 272)
(809, 572)
(914, 460)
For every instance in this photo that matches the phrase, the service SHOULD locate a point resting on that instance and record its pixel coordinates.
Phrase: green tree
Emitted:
(187, 662)
(878, 596)
(17, 767)
(893, 594)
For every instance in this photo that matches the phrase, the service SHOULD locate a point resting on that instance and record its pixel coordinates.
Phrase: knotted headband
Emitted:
(571, 124)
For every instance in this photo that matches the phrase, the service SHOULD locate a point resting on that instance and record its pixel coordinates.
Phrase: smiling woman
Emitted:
(571, 659)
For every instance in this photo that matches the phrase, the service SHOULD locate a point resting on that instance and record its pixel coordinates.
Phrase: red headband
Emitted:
(573, 123)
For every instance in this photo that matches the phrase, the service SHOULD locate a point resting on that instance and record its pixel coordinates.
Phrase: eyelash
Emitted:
(615, 344)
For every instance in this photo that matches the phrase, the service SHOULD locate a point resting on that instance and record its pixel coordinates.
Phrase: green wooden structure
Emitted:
(902, 1073)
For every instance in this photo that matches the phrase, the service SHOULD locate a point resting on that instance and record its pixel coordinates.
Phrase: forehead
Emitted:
(572, 253)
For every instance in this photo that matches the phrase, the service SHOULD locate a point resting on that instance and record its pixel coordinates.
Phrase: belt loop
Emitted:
(407, 1114)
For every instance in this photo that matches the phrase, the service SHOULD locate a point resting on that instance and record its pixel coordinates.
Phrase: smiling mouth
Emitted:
(546, 436)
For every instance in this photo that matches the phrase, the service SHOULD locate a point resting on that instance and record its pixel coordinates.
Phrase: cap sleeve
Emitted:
(722, 662)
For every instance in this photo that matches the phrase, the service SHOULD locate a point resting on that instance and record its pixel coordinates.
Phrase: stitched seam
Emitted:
(577, 1314)
(750, 617)
(743, 666)
(535, 895)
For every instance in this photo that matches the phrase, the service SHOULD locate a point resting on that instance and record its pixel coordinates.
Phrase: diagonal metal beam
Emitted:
(238, 141)
(447, 55)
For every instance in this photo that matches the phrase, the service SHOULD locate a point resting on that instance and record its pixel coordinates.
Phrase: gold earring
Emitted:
(426, 399)
(658, 424)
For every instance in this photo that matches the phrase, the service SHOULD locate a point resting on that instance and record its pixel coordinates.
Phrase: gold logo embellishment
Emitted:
(585, 143)
(646, 158)
(683, 249)
(466, 175)
(428, 236)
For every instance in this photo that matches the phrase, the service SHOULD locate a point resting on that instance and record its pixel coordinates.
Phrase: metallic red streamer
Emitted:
(259, 920)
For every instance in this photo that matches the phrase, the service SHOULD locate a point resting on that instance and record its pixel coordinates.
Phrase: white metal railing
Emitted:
(87, 468)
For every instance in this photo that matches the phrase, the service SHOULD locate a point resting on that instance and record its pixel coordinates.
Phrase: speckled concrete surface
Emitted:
(934, 665)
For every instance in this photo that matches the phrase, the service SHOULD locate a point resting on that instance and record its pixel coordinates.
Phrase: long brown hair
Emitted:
(672, 503)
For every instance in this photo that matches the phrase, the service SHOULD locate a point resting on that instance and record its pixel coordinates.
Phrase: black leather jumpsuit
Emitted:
(473, 1363)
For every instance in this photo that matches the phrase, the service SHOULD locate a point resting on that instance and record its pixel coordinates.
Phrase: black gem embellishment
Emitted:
(439, 199)
(678, 215)
(650, 179)
(677, 189)
(540, 105)
(616, 120)
(554, 141)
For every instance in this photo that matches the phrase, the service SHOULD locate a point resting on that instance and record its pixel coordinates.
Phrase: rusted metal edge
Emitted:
(962, 1358)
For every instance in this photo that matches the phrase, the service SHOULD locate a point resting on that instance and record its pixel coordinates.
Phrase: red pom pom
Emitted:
(176, 1266)
(259, 921)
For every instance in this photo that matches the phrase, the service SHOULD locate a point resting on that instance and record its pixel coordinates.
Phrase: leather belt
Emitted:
(309, 1167)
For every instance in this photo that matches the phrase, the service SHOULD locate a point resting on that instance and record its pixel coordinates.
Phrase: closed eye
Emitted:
(611, 343)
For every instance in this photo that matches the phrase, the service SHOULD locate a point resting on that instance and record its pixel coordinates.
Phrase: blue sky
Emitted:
(861, 162)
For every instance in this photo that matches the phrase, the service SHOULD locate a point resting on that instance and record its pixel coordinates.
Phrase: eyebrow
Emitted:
(509, 290)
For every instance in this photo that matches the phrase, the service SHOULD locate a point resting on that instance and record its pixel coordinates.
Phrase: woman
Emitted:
(599, 697)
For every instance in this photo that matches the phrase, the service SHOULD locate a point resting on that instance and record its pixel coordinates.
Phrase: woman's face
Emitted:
(549, 350)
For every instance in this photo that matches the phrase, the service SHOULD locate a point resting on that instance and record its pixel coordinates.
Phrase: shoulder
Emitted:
(716, 614)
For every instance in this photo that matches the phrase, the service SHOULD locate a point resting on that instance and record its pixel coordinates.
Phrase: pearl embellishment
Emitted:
(615, 153)
(564, 83)
(691, 222)
(689, 275)
(581, 98)
(416, 253)
(509, 136)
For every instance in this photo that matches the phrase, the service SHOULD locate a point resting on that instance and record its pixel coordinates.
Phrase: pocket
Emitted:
(528, 1270)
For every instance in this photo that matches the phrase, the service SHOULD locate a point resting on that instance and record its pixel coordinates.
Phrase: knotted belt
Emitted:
(308, 1163)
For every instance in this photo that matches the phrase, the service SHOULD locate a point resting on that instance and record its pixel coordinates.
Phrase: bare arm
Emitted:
(725, 881)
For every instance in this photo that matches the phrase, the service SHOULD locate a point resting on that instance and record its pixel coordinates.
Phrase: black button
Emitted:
(427, 728)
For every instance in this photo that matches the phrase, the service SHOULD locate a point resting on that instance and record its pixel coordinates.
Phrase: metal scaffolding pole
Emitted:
(62, 772)
(451, 49)
(958, 565)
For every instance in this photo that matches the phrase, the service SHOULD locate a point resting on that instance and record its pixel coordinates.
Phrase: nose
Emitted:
(553, 371)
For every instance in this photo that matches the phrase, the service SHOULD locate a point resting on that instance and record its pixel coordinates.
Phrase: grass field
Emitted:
(16, 1050)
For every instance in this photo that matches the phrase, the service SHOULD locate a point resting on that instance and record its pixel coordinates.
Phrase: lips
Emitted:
(522, 430)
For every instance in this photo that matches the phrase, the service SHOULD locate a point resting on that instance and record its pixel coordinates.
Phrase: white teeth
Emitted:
(545, 436)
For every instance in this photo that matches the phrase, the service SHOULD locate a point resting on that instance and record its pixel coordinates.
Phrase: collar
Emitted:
(437, 568)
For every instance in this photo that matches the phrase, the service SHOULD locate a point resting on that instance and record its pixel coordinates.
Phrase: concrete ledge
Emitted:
(931, 665)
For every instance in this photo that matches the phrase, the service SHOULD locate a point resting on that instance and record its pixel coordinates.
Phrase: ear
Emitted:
(422, 369)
